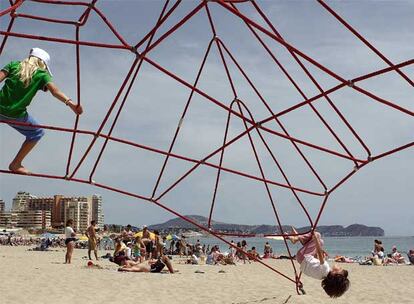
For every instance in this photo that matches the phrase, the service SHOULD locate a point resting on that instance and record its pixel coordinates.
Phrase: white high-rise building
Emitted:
(20, 201)
(80, 211)
(2, 206)
(97, 211)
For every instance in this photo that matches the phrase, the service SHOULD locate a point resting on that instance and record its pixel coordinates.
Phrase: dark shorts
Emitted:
(157, 266)
(149, 247)
(68, 240)
(31, 133)
(120, 259)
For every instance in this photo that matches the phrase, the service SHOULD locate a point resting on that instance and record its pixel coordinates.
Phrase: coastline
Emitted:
(348, 246)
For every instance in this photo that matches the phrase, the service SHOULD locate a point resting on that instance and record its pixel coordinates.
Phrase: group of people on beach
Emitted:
(132, 253)
(394, 258)
(147, 251)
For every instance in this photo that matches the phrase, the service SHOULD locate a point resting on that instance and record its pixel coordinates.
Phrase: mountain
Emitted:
(177, 225)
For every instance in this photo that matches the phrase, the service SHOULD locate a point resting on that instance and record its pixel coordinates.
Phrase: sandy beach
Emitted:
(41, 277)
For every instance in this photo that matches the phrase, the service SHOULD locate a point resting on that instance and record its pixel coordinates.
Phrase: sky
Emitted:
(379, 194)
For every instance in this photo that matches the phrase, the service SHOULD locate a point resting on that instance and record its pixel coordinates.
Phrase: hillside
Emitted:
(178, 224)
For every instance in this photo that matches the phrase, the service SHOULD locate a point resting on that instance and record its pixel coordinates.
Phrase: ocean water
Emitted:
(347, 246)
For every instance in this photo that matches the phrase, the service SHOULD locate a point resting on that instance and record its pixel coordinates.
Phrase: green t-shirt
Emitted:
(14, 97)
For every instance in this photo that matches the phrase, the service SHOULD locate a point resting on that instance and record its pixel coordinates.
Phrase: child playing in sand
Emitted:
(22, 81)
(334, 281)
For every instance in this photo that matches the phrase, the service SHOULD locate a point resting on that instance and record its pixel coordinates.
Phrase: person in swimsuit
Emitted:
(154, 267)
(92, 240)
(69, 241)
(146, 239)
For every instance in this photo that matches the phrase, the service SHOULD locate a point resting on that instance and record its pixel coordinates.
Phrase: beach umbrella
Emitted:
(152, 235)
(106, 243)
(175, 237)
(172, 237)
(47, 235)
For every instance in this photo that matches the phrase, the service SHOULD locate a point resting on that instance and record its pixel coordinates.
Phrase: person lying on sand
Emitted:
(344, 259)
(154, 267)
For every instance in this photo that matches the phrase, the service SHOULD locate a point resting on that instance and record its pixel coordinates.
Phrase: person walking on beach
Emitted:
(22, 81)
(311, 258)
(70, 241)
(92, 240)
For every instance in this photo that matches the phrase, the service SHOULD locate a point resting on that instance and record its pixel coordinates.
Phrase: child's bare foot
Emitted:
(294, 238)
(290, 238)
(18, 168)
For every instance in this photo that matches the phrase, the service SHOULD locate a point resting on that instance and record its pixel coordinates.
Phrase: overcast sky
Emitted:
(380, 194)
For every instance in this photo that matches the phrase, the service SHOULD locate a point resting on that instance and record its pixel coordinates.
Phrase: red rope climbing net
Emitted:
(263, 31)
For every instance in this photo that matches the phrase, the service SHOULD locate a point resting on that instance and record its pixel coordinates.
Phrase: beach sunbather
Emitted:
(334, 280)
(154, 267)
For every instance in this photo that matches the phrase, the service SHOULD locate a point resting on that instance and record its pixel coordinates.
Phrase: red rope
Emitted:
(11, 8)
(279, 123)
(182, 117)
(127, 92)
(366, 42)
(307, 58)
(320, 90)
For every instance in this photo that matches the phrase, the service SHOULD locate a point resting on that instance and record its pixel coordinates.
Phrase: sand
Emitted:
(41, 277)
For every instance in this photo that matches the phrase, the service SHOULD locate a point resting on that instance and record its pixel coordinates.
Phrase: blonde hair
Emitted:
(28, 67)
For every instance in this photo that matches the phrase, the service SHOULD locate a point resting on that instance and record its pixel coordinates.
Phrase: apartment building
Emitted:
(2, 206)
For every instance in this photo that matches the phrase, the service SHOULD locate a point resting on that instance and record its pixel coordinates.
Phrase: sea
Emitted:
(357, 247)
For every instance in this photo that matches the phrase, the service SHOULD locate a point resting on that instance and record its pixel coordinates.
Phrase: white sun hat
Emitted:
(41, 54)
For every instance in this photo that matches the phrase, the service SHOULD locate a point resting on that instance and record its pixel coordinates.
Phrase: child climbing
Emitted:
(311, 258)
(22, 81)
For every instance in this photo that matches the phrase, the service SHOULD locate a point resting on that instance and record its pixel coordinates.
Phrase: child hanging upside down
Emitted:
(23, 80)
(312, 262)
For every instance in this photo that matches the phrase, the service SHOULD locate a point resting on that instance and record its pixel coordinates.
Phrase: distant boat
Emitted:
(191, 234)
(275, 237)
